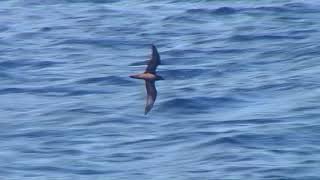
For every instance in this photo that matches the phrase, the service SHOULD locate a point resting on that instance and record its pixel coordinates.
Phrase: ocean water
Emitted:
(240, 99)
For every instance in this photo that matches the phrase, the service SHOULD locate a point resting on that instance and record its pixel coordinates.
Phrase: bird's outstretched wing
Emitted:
(151, 95)
(154, 61)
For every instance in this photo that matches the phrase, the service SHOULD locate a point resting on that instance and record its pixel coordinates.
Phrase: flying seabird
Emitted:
(150, 76)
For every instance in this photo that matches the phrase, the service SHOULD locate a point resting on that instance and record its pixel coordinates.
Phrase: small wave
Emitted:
(27, 35)
(25, 62)
(71, 152)
(37, 133)
(182, 18)
(108, 80)
(218, 11)
(86, 110)
(302, 7)
(46, 29)
(306, 108)
(303, 32)
(14, 64)
(296, 5)
(272, 9)
(224, 11)
(179, 74)
(4, 28)
(283, 86)
(248, 140)
(229, 51)
(11, 90)
(197, 104)
(121, 121)
(51, 91)
(67, 170)
(93, 42)
(5, 76)
(264, 37)
(45, 64)
(286, 8)
(183, 52)
(127, 157)
(188, 15)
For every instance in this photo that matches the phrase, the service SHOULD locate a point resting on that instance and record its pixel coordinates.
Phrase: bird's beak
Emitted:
(133, 76)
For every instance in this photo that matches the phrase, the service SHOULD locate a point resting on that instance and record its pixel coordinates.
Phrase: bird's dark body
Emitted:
(150, 78)
(147, 76)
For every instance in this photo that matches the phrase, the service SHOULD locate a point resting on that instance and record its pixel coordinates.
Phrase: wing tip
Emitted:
(154, 48)
(155, 53)
(146, 110)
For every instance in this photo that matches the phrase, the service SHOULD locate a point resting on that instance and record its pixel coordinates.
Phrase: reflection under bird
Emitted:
(150, 76)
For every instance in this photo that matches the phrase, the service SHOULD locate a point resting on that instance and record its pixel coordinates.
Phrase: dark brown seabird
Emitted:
(150, 76)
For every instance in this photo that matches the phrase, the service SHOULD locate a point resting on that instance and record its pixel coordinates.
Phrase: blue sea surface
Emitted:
(240, 99)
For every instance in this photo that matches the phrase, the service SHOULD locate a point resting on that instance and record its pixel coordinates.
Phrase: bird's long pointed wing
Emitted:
(154, 61)
(151, 95)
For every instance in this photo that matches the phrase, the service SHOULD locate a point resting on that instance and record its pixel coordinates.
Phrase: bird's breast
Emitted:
(148, 76)
(145, 76)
